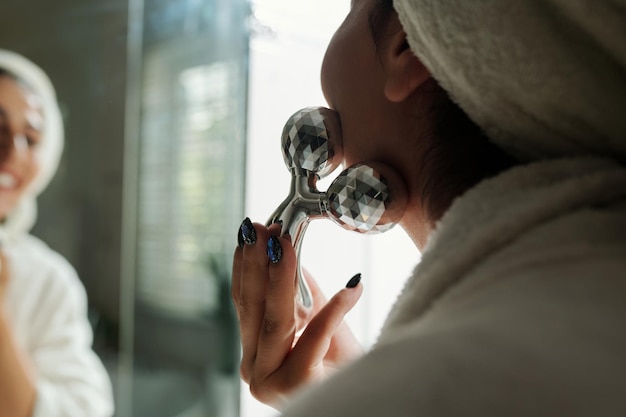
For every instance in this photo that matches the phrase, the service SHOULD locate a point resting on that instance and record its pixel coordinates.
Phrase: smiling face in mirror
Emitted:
(20, 134)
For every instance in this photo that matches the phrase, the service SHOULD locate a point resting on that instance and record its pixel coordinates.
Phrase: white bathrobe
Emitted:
(518, 307)
(46, 304)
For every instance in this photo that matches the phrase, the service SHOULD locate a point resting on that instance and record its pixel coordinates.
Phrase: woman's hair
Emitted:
(458, 154)
(8, 74)
(5, 73)
(12, 76)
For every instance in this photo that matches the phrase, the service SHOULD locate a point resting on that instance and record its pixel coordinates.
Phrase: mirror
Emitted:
(150, 188)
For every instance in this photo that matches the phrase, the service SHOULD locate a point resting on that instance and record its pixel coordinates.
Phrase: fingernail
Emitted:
(354, 281)
(247, 233)
(240, 241)
(274, 250)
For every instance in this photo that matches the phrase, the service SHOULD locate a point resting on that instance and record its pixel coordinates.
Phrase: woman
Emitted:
(506, 122)
(47, 367)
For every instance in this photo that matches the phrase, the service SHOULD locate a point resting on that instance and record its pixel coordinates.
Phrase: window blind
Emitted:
(191, 175)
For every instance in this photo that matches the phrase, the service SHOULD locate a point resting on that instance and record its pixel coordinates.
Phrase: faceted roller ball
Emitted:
(367, 198)
(311, 140)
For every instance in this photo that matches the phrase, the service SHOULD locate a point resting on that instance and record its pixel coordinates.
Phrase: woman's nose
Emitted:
(12, 145)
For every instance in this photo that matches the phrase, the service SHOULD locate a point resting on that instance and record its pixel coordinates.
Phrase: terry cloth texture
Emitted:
(543, 78)
(517, 312)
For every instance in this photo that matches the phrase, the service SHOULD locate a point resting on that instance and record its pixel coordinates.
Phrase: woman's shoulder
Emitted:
(44, 289)
(36, 252)
(37, 265)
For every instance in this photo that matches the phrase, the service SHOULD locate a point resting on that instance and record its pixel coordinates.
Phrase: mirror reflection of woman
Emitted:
(47, 366)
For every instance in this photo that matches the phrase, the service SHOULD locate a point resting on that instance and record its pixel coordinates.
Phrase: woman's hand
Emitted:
(4, 277)
(17, 387)
(275, 361)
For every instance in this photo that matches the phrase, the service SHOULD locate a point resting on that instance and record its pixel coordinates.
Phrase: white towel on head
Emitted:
(542, 78)
(22, 219)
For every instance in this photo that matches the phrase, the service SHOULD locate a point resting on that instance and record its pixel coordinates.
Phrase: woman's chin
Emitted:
(5, 209)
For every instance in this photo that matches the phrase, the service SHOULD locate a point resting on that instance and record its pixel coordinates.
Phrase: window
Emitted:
(190, 203)
(191, 180)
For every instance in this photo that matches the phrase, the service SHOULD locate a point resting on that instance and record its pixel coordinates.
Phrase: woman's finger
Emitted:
(315, 342)
(4, 276)
(252, 288)
(235, 280)
(279, 326)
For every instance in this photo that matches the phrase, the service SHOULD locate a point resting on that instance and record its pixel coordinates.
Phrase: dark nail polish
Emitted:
(354, 281)
(247, 232)
(274, 250)
(240, 241)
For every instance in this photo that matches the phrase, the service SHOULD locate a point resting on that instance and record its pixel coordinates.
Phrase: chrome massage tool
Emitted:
(366, 198)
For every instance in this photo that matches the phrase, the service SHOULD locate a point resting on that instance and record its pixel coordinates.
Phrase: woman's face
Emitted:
(353, 84)
(374, 88)
(20, 134)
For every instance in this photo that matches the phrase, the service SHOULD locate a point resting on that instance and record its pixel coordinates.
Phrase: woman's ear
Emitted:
(404, 72)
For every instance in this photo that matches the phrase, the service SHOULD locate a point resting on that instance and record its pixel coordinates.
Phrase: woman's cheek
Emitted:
(33, 167)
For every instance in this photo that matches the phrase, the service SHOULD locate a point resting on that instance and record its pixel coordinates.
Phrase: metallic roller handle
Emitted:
(366, 198)
(311, 145)
(294, 214)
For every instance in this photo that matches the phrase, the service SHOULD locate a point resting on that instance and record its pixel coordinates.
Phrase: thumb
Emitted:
(315, 341)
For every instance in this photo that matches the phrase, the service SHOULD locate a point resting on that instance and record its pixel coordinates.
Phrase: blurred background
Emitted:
(173, 111)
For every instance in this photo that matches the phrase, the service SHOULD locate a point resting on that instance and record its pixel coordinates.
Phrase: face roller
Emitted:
(366, 198)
